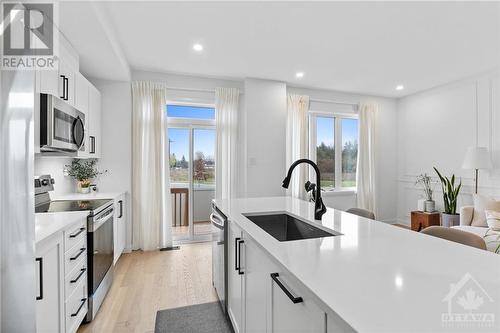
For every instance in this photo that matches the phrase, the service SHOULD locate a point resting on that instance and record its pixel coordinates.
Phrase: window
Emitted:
(334, 147)
(190, 112)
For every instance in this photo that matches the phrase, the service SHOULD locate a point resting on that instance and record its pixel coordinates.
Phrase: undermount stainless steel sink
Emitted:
(285, 227)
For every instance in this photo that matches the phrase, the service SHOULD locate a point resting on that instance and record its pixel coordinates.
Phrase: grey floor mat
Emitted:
(204, 318)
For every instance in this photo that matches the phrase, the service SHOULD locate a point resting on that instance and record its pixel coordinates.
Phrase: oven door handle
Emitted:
(100, 221)
(216, 221)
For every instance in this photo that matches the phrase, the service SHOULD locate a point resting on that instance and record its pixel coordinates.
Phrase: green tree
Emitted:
(173, 161)
(199, 165)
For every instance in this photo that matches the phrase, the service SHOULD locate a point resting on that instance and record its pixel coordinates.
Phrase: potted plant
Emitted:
(450, 195)
(83, 171)
(426, 182)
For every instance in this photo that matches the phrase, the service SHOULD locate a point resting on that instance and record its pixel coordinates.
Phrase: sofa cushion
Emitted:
(481, 204)
(493, 219)
(491, 237)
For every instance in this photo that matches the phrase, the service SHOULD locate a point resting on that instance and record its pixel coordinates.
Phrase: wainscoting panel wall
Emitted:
(436, 127)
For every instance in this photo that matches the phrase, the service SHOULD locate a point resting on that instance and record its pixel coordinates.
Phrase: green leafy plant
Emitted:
(450, 193)
(83, 171)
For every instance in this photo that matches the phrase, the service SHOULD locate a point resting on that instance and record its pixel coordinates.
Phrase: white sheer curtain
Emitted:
(151, 200)
(297, 142)
(226, 106)
(366, 171)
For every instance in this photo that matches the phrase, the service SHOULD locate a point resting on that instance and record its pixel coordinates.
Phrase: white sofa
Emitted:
(491, 237)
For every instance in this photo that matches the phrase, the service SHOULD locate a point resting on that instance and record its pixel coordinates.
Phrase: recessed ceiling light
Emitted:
(198, 47)
(299, 75)
(400, 87)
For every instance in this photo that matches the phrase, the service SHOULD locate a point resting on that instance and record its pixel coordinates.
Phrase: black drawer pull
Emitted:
(82, 271)
(78, 255)
(40, 274)
(236, 253)
(294, 299)
(79, 232)
(239, 257)
(121, 208)
(79, 308)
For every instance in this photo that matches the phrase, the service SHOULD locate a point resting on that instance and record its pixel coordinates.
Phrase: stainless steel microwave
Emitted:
(62, 127)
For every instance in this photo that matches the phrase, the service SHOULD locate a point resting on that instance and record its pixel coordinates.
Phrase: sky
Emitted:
(325, 130)
(204, 139)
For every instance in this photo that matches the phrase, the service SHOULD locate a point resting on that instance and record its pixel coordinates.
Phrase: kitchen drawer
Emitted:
(77, 275)
(74, 235)
(76, 307)
(73, 257)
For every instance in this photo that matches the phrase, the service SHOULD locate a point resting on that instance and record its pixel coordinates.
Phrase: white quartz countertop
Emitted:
(378, 277)
(47, 224)
(87, 196)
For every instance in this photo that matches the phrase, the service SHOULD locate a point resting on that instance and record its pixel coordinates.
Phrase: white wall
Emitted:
(263, 140)
(116, 153)
(54, 166)
(436, 127)
(386, 159)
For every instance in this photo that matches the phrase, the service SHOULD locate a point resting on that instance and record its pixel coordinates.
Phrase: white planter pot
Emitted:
(449, 220)
(429, 206)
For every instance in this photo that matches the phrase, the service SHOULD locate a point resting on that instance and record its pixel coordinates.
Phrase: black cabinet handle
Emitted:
(236, 253)
(64, 87)
(239, 257)
(121, 208)
(40, 274)
(67, 88)
(294, 299)
(76, 235)
(82, 271)
(79, 308)
(92, 144)
(78, 255)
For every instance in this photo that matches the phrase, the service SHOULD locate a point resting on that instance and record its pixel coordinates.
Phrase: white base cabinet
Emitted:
(50, 285)
(263, 297)
(119, 227)
(62, 280)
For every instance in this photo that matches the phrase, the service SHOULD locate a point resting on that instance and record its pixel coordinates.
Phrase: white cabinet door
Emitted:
(67, 83)
(50, 286)
(119, 227)
(48, 81)
(303, 315)
(94, 128)
(258, 267)
(235, 278)
(82, 93)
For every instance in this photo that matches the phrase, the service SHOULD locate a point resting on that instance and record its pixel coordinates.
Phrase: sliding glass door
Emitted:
(192, 172)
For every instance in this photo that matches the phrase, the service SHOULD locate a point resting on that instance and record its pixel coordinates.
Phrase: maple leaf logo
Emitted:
(470, 301)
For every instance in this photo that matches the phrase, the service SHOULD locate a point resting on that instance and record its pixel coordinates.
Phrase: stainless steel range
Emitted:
(99, 237)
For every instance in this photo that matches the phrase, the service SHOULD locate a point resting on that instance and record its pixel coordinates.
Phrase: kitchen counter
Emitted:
(87, 196)
(375, 276)
(47, 224)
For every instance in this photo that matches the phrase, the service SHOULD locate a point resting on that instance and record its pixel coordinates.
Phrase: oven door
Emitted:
(100, 245)
(219, 228)
(62, 127)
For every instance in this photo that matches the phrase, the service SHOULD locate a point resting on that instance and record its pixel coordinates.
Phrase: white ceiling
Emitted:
(356, 47)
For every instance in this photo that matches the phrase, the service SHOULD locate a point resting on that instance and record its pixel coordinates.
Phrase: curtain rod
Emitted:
(333, 102)
(194, 90)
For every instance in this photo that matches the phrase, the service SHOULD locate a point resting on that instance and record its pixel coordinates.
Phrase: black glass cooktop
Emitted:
(71, 205)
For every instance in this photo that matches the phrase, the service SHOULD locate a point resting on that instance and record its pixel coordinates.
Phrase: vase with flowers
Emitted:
(83, 171)
(425, 182)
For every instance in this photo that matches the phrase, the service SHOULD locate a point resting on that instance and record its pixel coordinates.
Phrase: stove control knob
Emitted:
(45, 182)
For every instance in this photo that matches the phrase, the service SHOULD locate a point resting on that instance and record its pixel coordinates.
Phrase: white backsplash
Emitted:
(54, 166)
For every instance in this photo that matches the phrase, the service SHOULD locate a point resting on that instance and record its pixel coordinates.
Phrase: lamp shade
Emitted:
(477, 158)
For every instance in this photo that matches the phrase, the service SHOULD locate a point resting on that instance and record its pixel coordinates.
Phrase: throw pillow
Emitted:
(493, 219)
(482, 203)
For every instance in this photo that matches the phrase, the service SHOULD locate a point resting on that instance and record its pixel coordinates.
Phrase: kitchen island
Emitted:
(372, 277)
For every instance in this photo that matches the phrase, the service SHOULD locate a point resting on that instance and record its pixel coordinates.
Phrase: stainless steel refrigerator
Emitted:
(17, 226)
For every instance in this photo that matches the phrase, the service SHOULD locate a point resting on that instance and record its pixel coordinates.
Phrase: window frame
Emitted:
(337, 116)
(186, 122)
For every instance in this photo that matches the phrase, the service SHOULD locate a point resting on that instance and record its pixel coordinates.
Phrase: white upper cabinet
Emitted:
(94, 124)
(82, 86)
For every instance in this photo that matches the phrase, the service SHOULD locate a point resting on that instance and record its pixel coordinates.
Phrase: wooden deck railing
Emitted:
(180, 206)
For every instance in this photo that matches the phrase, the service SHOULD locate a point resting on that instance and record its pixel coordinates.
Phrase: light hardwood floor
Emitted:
(146, 282)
